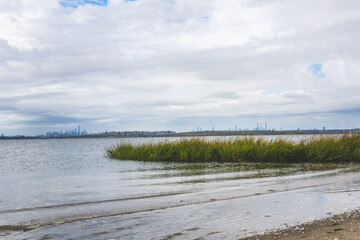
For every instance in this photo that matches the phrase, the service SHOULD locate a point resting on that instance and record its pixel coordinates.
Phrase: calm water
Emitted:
(68, 189)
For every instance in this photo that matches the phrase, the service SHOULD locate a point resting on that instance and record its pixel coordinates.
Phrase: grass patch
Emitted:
(316, 149)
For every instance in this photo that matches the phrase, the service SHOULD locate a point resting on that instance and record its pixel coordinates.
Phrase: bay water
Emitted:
(69, 189)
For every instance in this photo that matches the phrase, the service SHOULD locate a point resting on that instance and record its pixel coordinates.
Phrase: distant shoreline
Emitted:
(261, 132)
(189, 134)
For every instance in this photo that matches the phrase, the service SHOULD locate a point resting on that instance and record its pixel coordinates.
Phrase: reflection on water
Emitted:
(67, 188)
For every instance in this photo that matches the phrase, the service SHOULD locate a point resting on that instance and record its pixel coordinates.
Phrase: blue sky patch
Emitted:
(315, 69)
(76, 3)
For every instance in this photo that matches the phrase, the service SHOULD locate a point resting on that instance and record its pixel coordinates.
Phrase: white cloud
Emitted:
(157, 64)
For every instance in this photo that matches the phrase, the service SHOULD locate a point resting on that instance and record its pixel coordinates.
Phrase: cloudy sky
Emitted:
(178, 64)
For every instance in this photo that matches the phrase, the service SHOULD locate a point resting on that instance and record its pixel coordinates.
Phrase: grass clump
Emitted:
(317, 149)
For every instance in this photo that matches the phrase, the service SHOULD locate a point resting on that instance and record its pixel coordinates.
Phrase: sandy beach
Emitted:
(343, 226)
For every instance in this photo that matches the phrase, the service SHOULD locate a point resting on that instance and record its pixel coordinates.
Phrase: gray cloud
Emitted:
(53, 120)
(225, 94)
(178, 64)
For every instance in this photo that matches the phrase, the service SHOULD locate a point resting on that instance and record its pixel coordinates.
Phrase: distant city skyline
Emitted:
(72, 132)
(139, 133)
(260, 126)
(155, 65)
(264, 127)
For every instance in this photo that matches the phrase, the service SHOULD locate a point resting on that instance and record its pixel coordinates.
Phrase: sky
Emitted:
(122, 65)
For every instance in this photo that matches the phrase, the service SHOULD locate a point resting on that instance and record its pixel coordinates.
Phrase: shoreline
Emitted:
(215, 133)
(341, 226)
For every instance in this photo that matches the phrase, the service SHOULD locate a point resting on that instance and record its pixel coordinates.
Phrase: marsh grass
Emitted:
(316, 149)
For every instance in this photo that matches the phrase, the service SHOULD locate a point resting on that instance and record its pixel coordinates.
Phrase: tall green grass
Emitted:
(316, 149)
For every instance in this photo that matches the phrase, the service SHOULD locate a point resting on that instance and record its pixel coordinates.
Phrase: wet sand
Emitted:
(343, 226)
